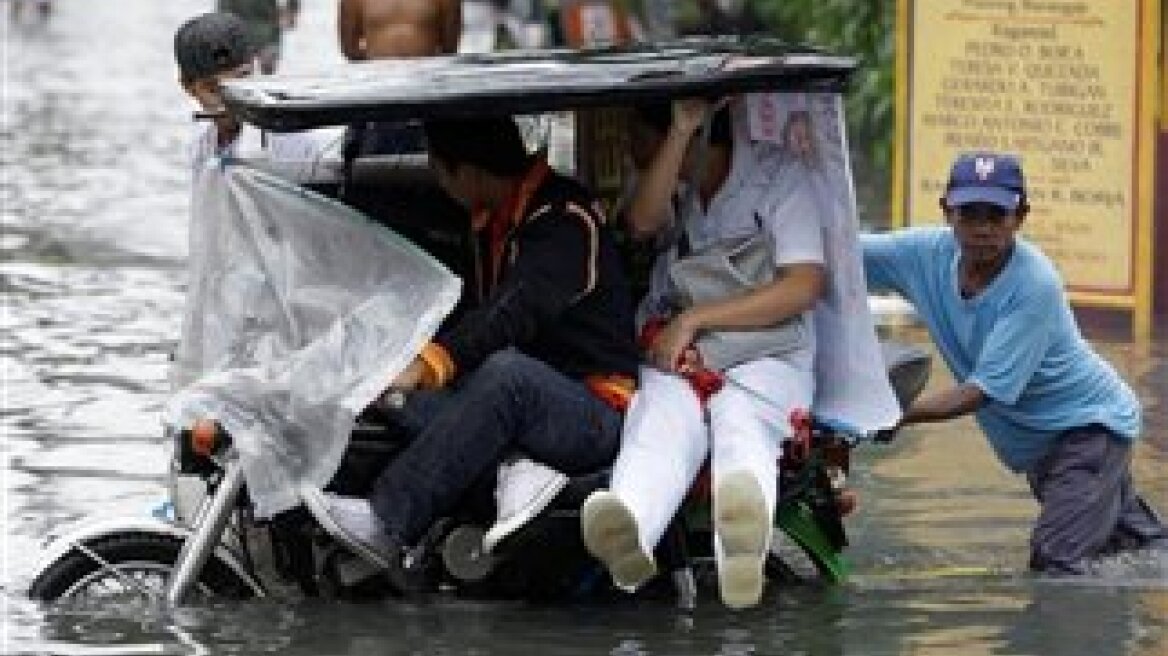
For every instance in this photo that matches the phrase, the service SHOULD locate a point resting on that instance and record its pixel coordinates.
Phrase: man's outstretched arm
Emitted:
(954, 402)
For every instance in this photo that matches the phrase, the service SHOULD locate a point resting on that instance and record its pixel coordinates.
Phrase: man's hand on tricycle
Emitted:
(668, 349)
(411, 378)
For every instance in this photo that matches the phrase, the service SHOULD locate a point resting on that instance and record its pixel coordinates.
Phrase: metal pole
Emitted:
(203, 540)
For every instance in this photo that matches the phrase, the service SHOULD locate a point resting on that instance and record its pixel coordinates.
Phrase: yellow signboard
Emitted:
(1068, 85)
(1164, 66)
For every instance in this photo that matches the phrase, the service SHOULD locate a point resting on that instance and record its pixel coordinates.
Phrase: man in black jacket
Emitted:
(540, 367)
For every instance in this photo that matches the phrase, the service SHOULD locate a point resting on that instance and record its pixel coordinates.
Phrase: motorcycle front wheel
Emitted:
(129, 567)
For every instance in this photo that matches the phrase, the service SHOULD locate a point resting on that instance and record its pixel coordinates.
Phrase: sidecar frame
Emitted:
(588, 83)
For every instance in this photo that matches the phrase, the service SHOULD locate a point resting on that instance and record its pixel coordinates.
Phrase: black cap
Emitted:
(209, 44)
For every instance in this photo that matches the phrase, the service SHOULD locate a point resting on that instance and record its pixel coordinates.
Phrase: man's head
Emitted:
(474, 157)
(209, 49)
(985, 202)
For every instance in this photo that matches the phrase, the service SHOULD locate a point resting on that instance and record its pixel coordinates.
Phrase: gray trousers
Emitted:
(1089, 504)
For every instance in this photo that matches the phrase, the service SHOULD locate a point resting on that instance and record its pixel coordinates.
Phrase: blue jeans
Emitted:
(512, 402)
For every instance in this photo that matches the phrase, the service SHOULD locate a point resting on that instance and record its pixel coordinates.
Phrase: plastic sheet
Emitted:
(299, 312)
(852, 385)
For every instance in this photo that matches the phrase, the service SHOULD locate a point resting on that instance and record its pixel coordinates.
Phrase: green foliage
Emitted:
(864, 29)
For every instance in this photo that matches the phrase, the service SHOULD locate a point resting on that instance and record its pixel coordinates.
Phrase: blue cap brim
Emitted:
(1006, 199)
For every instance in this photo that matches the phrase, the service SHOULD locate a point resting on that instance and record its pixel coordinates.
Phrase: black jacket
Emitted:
(562, 296)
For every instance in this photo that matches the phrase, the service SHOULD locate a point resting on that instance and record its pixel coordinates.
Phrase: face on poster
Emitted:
(801, 124)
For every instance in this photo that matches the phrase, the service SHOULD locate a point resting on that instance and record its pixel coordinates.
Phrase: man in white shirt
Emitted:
(211, 49)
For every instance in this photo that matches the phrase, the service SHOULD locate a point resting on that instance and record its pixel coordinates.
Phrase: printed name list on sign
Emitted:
(1053, 81)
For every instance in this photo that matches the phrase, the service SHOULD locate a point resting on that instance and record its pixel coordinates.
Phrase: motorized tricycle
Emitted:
(218, 536)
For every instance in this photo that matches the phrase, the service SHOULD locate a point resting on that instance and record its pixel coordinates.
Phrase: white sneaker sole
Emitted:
(611, 536)
(505, 527)
(743, 528)
(314, 500)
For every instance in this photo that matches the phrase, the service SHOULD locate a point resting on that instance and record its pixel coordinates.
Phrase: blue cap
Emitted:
(986, 178)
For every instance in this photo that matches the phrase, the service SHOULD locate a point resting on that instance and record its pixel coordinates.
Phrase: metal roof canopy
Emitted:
(532, 81)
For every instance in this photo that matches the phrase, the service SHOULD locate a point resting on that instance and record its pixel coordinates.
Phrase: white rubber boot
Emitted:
(743, 530)
(612, 537)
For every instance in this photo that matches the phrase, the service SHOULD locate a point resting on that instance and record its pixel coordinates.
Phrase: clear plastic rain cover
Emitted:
(851, 383)
(299, 312)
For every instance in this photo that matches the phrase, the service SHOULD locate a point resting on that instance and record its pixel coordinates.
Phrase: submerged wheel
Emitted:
(143, 562)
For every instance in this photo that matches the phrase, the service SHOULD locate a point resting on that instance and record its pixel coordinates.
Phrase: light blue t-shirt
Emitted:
(1017, 340)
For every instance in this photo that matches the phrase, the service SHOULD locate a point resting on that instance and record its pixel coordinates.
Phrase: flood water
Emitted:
(93, 202)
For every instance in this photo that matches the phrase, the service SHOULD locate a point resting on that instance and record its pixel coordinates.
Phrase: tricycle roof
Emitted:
(532, 81)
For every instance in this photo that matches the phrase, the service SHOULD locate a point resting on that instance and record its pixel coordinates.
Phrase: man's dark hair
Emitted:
(210, 44)
(659, 116)
(493, 144)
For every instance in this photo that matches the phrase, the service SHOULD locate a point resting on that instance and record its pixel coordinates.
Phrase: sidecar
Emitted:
(574, 105)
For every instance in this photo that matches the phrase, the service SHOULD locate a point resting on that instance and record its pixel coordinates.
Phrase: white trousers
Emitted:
(666, 440)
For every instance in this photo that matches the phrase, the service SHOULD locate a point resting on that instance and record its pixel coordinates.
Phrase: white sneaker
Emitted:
(523, 490)
(612, 537)
(743, 529)
(351, 521)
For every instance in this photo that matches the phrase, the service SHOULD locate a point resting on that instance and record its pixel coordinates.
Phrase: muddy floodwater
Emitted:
(93, 204)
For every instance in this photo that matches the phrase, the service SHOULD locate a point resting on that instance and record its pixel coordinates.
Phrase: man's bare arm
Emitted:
(952, 403)
(451, 25)
(350, 28)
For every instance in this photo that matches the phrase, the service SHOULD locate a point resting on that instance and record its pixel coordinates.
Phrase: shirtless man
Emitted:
(376, 29)
(373, 29)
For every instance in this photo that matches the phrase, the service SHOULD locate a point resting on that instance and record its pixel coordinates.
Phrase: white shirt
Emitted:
(308, 148)
(765, 189)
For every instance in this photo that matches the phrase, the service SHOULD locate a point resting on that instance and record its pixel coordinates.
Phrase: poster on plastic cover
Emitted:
(851, 383)
(299, 313)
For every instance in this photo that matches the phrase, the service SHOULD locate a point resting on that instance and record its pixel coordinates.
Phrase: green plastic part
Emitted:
(797, 521)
